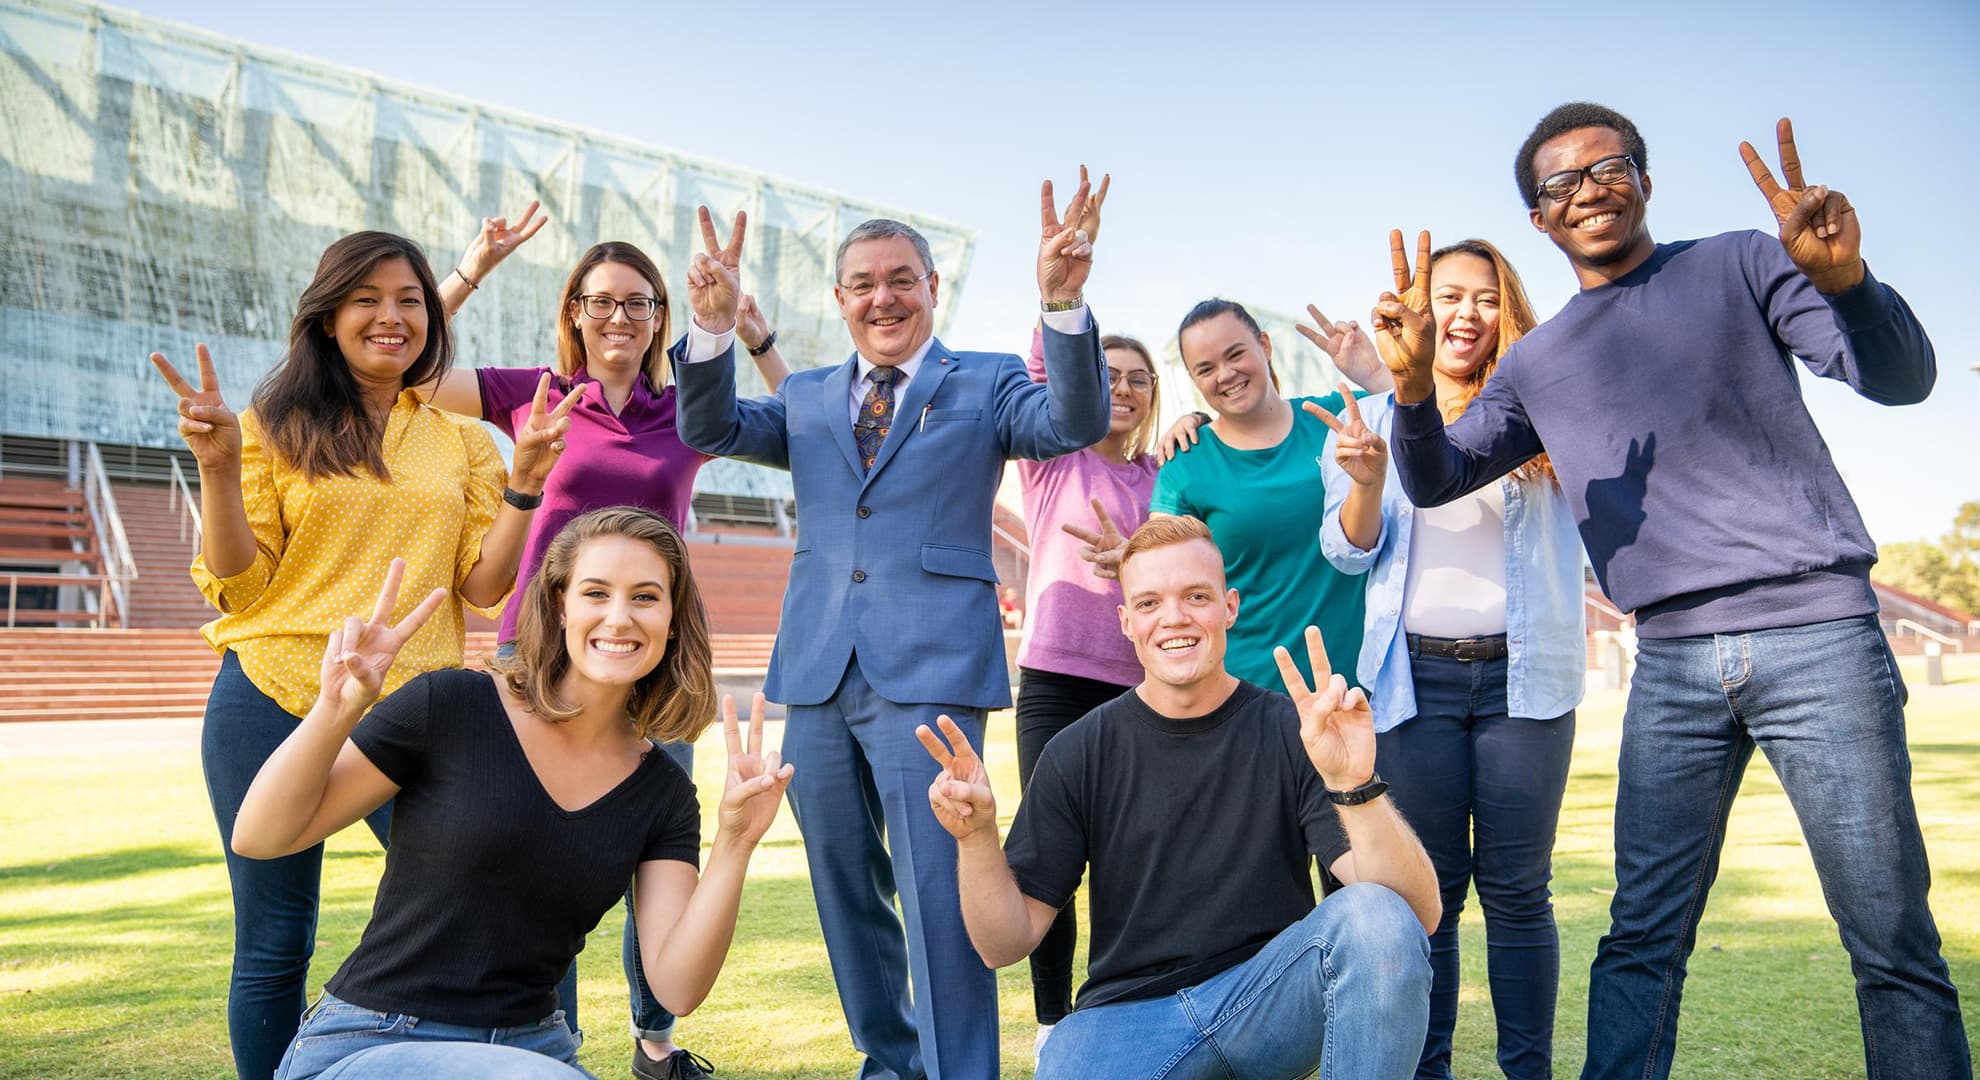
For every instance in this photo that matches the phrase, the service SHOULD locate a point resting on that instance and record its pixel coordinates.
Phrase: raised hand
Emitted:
(1104, 548)
(1090, 219)
(498, 240)
(714, 284)
(1065, 248)
(211, 430)
(1345, 343)
(1180, 436)
(540, 441)
(1362, 454)
(1818, 226)
(960, 795)
(751, 326)
(1407, 335)
(1335, 724)
(756, 780)
(359, 654)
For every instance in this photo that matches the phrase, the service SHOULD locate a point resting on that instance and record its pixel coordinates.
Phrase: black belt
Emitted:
(1465, 650)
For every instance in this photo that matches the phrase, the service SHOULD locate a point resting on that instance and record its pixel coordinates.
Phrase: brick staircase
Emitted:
(164, 594)
(47, 543)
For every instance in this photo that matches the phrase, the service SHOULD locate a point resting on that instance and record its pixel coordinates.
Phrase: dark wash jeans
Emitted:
(1483, 791)
(274, 899)
(1826, 703)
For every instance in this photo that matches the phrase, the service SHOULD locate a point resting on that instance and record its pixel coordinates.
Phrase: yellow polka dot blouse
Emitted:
(323, 548)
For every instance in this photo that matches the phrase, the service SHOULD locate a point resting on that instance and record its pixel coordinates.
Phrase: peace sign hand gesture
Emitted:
(498, 240)
(1065, 249)
(1335, 723)
(540, 441)
(714, 285)
(211, 430)
(1407, 338)
(1103, 549)
(1348, 346)
(1361, 453)
(358, 655)
(756, 781)
(960, 795)
(1818, 226)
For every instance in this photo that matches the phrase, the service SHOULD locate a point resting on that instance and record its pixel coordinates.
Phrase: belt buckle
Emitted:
(1471, 650)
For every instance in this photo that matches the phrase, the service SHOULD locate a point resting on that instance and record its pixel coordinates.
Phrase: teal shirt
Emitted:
(1264, 509)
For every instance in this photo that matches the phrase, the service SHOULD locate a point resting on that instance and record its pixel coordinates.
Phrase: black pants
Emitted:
(1047, 704)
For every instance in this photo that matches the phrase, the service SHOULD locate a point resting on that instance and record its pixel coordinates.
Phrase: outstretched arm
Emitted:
(1004, 924)
(1071, 411)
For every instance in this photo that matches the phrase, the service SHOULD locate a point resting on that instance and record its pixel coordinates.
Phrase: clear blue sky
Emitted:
(1263, 151)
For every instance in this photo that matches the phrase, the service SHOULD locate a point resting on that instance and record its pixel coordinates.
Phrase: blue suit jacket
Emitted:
(895, 564)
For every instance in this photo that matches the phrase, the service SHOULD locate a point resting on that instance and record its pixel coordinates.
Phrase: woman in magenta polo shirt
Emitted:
(622, 449)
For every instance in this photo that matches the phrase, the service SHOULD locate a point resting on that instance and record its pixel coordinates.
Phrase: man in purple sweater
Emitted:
(1665, 396)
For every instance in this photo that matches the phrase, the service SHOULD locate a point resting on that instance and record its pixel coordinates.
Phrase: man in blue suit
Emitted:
(891, 616)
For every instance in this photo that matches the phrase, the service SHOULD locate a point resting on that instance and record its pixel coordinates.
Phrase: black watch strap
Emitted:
(769, 341)
(1374, 789)
(520, 501)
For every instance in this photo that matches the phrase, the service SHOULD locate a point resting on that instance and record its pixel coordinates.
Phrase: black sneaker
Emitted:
(679, 1065)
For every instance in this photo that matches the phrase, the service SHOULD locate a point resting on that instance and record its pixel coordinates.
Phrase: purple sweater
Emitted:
(1072, 622)
(1668, 404)
(634, 458)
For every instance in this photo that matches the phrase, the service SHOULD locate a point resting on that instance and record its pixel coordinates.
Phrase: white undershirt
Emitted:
(1455, 585)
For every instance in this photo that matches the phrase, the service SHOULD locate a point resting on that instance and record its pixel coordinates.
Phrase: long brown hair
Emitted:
(676, 700)
(1143, 435)
(309, 404)
(1515, 319)
(570, 340)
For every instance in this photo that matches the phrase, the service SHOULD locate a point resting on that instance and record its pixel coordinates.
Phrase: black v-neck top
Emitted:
(490, 887)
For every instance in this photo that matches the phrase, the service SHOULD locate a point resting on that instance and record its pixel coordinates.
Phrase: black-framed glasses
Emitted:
(1140, 382)
(903, 282)
(638, 308)
(1611, 170)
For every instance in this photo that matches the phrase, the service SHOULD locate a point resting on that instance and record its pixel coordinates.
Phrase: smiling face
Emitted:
(1229, 364)
(887, 325)
(1130, 406)
(380, 325)
(1464, 304)
(618, 343)
(1176, 609)
(1601, 227)
(617, 610)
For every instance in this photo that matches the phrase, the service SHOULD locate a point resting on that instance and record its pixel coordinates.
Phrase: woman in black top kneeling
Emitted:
(525, 800)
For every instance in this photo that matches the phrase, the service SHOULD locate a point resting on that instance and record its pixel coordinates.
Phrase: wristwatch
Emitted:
(1368, 792)
(1074, 304)
(764, 346)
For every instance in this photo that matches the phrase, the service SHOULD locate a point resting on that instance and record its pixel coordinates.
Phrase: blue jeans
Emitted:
(1345, 990)
(342, 1041)
(1827, 705)
(1483, 791)
(649, 1019)
(274, 899)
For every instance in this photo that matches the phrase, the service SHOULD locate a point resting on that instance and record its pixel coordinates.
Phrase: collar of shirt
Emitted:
(907, 369)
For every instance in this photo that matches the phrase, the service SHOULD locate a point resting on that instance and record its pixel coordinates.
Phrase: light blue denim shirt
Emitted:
(1546, 634)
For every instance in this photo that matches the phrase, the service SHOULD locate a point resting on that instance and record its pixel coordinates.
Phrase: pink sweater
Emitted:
(1072, 625)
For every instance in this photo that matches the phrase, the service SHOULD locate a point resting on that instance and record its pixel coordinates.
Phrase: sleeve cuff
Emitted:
(702, 345)
(1077, 321)
(1862, 307)
(1414, 421)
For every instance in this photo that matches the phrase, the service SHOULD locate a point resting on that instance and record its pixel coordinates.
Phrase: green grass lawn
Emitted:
(115, 923)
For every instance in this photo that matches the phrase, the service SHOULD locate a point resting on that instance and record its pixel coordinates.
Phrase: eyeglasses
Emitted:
(638, 308)
(1611, 170)
(900, 283)
(1140, 382)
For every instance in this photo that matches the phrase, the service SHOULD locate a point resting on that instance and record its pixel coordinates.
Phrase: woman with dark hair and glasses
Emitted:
(612, 324)
(336, 468)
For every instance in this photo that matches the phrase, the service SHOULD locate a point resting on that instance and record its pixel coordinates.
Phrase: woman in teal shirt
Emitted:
(1254, 478)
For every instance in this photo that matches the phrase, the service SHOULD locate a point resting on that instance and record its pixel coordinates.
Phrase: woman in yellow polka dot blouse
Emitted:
(335, 469)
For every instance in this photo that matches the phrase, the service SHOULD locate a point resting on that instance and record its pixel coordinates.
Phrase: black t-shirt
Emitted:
(490, 887)
(1200, 833)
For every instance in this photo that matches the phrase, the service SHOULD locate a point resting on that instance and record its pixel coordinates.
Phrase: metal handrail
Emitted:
(182, 495)
(1899, 626)
(1604, 608)
(1004, 534)
(119, 567)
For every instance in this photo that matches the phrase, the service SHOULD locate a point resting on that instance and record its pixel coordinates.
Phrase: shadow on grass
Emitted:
(108, 865)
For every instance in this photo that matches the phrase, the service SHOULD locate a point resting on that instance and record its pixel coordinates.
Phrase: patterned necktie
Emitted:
(876, 414)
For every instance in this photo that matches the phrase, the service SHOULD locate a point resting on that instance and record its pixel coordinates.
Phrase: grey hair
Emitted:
(883, 229)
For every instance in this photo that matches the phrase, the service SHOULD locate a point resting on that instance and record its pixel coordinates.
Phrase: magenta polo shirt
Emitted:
(634, 458)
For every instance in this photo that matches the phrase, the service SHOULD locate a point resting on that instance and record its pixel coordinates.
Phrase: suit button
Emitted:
(859, 575)
(866, 511)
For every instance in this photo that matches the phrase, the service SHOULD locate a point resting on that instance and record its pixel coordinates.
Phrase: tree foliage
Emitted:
(1946, 573)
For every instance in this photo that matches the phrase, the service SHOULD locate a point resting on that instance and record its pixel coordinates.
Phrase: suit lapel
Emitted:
(908, 410)
(837, 391)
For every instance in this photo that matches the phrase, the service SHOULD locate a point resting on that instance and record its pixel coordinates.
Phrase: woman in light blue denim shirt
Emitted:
(1475, 655)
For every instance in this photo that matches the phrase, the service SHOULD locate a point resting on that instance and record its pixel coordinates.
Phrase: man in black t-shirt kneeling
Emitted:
(1199, 801)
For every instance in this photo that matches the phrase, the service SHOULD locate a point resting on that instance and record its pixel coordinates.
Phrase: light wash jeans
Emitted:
(342, 1041)
(1827, 705)
(1345, 990)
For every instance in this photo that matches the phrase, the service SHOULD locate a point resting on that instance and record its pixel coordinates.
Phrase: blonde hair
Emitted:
(1143, 436)
(1515, 319)
(1167, 530)
(570, 340)
(672, 703)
